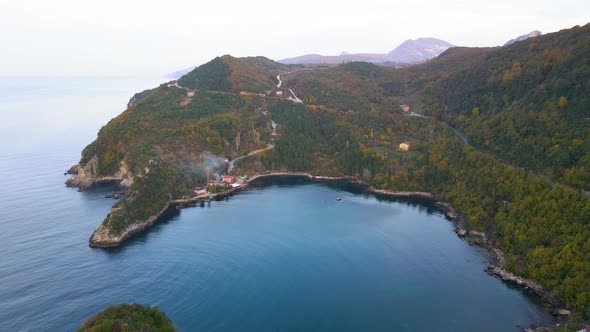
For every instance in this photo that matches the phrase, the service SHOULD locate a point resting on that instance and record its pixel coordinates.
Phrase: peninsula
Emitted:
(500, 134)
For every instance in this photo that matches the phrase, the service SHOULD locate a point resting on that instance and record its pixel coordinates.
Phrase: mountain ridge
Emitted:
(532, 34)
(410, 51)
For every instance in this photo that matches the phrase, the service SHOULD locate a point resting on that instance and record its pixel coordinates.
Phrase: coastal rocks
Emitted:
(522, 282)
(539, 329)
(419, 194)
(116, 195)
(73, 170)
(478, 237)
(102, 237)
(451, 214)
(87, 176)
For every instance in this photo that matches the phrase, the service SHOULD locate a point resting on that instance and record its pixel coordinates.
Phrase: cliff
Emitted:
(87, 176)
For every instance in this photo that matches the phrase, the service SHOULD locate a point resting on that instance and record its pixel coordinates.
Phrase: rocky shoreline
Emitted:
(497, 260)
(85, 177)
(102, 239)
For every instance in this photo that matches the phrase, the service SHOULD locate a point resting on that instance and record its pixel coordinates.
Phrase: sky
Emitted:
(145, 37)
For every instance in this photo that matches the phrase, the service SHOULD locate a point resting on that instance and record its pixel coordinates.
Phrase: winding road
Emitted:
(178, 86)
(251, 153)
(462, 136)
(293, 97)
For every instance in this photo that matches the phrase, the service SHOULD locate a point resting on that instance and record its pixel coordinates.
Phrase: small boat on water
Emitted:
(338, 199)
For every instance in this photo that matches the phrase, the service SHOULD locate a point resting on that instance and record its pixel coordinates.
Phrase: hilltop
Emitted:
(502, 134)
(531, 34)
(226, 73)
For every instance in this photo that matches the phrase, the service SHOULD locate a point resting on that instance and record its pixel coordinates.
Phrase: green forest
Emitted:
(523, 176)
(128, 317)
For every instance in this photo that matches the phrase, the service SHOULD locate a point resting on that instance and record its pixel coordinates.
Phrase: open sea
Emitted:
(284, 257)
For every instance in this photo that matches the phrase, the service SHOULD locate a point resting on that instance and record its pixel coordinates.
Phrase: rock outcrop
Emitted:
(87, 176)
(522, 282)
(103, 238)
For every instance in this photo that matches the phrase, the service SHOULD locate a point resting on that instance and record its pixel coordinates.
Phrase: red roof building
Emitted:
(227, 179)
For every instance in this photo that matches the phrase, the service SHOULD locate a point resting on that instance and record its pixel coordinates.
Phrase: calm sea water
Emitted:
(281, 258)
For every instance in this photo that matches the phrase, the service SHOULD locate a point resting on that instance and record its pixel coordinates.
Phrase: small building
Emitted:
(274, 133)
(200, 191)
(226, 160)
(405, 108)
(212, 182)
(235, 185)
(279, 93)
(227, 179)
(190, 93)
(405, 146)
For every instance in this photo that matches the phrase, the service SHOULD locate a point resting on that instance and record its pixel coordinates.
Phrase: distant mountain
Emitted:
(179, 73)
(410, 51)
(532, 34)
(418, 50)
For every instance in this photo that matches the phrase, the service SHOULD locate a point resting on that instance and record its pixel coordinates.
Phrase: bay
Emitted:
(284, 257)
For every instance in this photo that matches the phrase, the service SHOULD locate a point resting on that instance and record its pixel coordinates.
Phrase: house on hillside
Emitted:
(405, 108)
(405, 146)
(228, 179)
(279, 93)
(190, 93)
(274, 133)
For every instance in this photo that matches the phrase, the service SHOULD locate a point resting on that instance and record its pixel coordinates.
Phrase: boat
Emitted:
(338, 199)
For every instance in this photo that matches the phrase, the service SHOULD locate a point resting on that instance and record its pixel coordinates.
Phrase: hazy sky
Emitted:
(144, 37)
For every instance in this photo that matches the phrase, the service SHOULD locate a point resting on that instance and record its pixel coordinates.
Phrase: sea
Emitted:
(284, 256)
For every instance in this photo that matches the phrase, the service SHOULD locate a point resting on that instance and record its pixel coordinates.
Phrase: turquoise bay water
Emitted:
(280, 258)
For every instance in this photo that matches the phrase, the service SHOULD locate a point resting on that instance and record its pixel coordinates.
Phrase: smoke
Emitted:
(211, 164)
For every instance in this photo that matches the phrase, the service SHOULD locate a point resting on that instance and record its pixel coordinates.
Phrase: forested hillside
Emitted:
(527, 103)
(524, 108)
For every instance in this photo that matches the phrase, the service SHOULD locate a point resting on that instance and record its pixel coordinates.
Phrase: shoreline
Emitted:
(480, 239)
